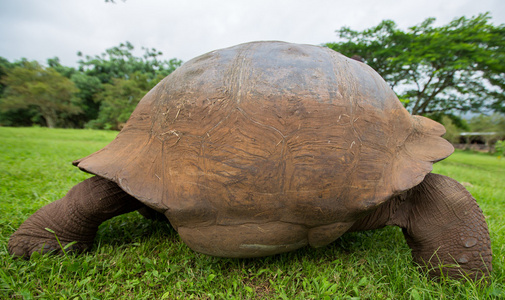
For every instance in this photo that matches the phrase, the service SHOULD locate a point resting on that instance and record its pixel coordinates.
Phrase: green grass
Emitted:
(134, 258)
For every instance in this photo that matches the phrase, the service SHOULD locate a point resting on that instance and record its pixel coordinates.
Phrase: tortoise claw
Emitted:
(24, 248)
(75, 217)
(29, 239)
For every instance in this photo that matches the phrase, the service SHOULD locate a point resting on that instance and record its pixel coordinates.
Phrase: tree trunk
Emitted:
(50, 122)
(51, 117)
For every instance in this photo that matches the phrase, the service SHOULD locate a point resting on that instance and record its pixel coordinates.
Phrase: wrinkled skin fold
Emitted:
(73, 218)
(441, 221)
(443, 225)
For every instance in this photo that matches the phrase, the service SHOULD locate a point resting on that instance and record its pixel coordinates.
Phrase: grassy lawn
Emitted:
(135, 258)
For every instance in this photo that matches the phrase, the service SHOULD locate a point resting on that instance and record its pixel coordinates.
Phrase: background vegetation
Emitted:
(455, 67)
(435, 71)
(101, 93)
(135, 258)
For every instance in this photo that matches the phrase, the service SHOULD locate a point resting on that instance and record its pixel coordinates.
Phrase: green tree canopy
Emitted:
(14, 117)
(116, 80)
(30, 85)
(68, 97)
(4, 66)
(119, 98)
(458, 66)
(56, 65)
(120, 62)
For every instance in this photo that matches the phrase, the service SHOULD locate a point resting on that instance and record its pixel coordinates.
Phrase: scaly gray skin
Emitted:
(75, 217)
(443, 225)
(440, 220)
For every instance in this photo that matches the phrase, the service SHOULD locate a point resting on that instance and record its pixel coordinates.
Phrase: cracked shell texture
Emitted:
(269, 132)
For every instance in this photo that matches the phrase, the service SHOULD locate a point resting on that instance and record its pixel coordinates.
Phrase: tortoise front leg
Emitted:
(445, 228)
(75, 217)
(443, 225)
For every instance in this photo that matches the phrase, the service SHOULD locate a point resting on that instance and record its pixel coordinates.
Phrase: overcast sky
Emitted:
(41, 29)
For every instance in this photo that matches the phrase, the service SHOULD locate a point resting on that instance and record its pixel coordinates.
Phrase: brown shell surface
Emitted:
(269, 133)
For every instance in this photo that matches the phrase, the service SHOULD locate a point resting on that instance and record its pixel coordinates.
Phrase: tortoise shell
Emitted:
(266, 147)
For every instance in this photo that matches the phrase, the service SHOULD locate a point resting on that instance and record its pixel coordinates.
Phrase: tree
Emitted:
(14, 117)
(54, 63)
(452, 132)
(68, 97)
(456, 67)
(119, 98)
(30, 85)
(4, 66)
(88, 88)
(119, 62)
(120, 79)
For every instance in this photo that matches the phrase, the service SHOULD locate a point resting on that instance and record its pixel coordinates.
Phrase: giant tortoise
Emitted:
(267, 147)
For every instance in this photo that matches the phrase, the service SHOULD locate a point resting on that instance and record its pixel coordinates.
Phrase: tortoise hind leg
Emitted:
(445, 228)
(75, 217)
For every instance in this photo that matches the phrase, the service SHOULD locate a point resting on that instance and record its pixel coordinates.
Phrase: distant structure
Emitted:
(478, 141)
